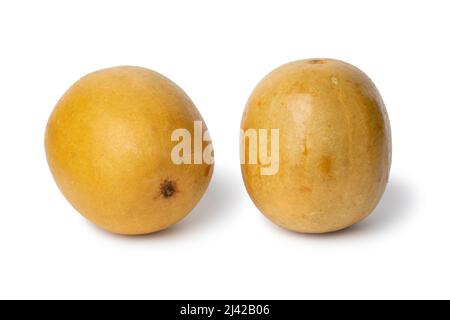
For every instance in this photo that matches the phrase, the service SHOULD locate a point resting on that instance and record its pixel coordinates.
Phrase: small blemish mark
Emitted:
(305, 151)
(167, 188)
(334, 80)
(317, 61)
(305, 147)
(299, 87)
(305, 189)
(326, 165)
(207, 171)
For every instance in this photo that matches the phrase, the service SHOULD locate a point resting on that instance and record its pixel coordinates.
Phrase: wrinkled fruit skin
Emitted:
(335, 145)
(108, 145)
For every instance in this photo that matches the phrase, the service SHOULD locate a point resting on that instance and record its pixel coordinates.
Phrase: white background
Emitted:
(217, 51)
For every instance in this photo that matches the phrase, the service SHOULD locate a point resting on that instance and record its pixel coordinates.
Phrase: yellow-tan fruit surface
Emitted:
(335, 145)
(108, 145)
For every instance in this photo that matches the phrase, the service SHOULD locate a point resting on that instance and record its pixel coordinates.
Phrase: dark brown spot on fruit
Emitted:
(168, 188)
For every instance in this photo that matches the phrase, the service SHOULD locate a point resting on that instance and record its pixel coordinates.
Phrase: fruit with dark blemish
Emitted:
(168, 188)
(108, 145)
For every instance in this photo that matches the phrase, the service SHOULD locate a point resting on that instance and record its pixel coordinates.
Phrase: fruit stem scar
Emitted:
(167, 188)
(317, 61)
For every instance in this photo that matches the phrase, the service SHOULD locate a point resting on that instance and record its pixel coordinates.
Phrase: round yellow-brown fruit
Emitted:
(334, 146)
(108, 145)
